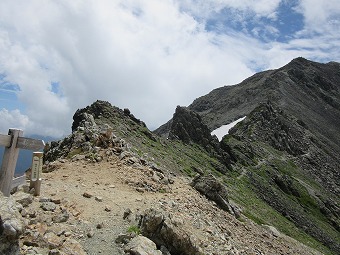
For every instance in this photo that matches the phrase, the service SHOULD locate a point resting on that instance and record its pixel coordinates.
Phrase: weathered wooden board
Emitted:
(21, 180)
(13, 142)
(30, 144)
(5, 140)
(9, 161)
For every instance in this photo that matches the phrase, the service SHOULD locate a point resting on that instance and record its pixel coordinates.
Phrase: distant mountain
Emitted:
(308, 90)
(287, 147)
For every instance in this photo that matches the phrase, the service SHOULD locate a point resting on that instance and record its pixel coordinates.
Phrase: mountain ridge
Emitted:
(274, 170)
(294, 112)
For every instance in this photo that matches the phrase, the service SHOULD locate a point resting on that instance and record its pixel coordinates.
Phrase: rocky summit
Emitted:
(270, 186)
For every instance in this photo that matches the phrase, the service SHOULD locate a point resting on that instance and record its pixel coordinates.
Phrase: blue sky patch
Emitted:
(280, 28)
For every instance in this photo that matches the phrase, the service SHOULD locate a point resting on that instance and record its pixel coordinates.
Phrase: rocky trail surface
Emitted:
(104, 207)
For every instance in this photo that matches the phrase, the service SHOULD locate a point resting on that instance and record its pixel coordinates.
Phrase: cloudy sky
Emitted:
(145, 55)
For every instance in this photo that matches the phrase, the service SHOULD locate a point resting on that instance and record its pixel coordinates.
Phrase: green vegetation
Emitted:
(258, 164)
(74, 152)
(134, 229)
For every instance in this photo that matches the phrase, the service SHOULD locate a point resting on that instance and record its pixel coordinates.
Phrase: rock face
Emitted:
(11, 226)
(270, 124)
(187, 126)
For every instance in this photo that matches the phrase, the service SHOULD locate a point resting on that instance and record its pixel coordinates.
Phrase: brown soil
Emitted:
(113, 187)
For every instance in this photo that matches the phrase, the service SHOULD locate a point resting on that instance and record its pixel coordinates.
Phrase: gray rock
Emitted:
(48, 206)
(87, 195)
(23, 198)
(63, 216)
(127, 213)
(54, 252)
(11, 226)
(140, 245)
(209, 186)
(53, 241)
(160, 229)
(125, 238)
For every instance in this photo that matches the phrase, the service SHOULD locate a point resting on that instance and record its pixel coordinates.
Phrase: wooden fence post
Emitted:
(9, 162)
(37, 162)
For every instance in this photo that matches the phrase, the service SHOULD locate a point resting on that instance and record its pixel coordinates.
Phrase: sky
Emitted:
(145, 55)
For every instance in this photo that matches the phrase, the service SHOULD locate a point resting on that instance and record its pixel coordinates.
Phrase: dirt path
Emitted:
(96, 196)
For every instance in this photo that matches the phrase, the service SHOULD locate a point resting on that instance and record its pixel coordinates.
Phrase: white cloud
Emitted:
(320, 15)
(12, 119)
(263, 8)
(147, 55)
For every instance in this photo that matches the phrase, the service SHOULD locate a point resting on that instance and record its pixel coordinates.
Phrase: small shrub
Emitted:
(134, 229)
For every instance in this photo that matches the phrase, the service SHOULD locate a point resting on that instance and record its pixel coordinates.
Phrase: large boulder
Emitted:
(161, 230)
(210, 187)
(11, 226)
(140, 245)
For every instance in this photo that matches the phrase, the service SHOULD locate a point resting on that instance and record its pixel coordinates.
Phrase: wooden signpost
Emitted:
(13, 142)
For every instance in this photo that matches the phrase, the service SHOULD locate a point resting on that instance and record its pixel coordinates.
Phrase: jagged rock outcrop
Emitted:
(102, 112)
(96, 127)
(187, 126)
(12, 226)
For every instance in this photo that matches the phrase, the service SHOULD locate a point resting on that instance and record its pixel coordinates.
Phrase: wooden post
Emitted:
(37, 162)
(9, 162)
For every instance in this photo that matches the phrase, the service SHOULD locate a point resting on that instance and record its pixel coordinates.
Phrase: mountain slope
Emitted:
(111, 155)
(284, 154)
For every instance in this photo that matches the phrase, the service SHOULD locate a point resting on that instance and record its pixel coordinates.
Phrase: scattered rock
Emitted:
(63, 216)
(44, 199)
(127, 213)
(48, 206)
(87, 195)
(125, 238)
(108, 208)
(273, 230)
(53, 241)
(23, 198)
(100, 225)
(54, 252)
(99, 199)
(90, 234)
(11, 226)
(72, 247)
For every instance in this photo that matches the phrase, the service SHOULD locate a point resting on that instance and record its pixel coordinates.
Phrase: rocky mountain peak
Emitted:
(101, 112)
(188, 126)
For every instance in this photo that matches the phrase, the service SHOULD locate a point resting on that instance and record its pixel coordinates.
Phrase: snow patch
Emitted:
(224, 130)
